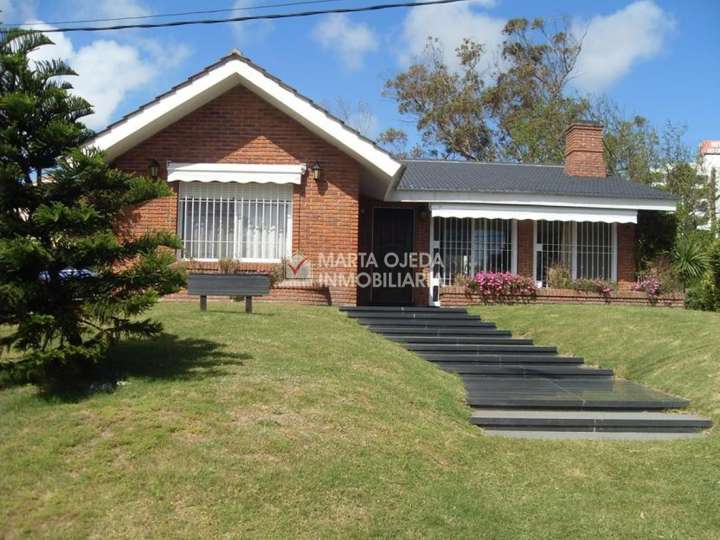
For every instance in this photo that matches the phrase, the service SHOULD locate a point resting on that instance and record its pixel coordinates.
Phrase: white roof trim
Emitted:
(235, 172)
(554, 213)
(530, 199)
(216, 80)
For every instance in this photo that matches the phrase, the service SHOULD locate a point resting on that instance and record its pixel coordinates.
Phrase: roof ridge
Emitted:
(464, 161)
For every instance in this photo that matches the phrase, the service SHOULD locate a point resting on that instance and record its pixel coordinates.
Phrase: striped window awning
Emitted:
(535, 213)
(243, 173)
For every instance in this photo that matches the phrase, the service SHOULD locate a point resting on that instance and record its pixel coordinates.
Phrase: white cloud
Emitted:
(12, 12)
(450, 24)
(351, 41)
(248, 31)
(107, 70)
(613, 43)
(106, 9)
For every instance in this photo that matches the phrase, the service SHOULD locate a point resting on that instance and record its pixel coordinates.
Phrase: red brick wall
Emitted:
(239, 127)
(584, 151)
(626, 253)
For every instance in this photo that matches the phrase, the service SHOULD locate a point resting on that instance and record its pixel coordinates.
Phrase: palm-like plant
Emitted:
(689, 258)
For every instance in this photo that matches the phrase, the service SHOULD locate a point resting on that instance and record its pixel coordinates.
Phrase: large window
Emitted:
(470, 245)
(586, 250)
(249, 222)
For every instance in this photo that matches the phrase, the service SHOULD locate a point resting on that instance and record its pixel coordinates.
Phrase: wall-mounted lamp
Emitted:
(315, 171)
(154, 168)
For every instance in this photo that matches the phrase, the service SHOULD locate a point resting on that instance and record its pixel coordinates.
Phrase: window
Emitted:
(470, 245)
(587, 250)
(250, 222)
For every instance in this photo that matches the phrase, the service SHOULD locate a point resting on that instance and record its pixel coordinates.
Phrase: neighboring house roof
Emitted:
(477, 177)
(216, 79)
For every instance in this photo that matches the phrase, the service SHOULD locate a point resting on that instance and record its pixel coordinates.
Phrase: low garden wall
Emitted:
(458, 296)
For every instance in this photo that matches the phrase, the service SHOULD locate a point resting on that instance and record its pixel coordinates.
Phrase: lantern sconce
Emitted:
(315, 171)
(154, 169)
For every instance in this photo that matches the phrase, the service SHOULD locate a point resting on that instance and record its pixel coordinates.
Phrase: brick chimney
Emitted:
(584, 150)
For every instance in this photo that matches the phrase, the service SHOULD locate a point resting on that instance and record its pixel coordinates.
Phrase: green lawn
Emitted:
(297, 422)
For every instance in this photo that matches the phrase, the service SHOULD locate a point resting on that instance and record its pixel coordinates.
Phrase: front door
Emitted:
(392, 242)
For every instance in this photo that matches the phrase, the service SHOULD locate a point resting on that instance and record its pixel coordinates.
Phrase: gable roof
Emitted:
(478, 177)
(219, 77)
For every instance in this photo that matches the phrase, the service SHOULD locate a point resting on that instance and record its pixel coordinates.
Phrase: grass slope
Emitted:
(297, 422)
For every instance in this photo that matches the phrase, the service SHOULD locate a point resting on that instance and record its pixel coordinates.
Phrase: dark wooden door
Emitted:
(393, 234)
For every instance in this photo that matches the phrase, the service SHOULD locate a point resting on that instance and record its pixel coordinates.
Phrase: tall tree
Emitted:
(529, 100)
(70, 283)
(448, 106)
(518, 111)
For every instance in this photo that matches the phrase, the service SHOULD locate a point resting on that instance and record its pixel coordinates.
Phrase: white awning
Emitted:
(536, 213)
(235, 172)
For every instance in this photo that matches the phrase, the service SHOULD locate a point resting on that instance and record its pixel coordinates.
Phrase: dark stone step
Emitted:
(442, 316)
(426, 323)
(400, 309)
(392, 331)
(471, 359)
(459, 340)
(479, 348)
(529, 419)
(468, 370)
(565, 393)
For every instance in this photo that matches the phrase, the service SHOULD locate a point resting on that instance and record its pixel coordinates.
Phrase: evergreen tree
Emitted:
(70, 282)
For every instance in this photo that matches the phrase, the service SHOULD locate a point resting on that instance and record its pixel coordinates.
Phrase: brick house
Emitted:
(260, 173)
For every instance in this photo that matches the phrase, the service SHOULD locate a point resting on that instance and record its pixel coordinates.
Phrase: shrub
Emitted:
(598, 286)
(651, 285)
(690, 259)
(705, 294)
(559, 277)
(501, 287)
(228, 265)
(462, 280)
(277, 274)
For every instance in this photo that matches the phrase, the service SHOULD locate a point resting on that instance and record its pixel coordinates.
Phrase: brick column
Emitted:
(625, 253)
(525, 247)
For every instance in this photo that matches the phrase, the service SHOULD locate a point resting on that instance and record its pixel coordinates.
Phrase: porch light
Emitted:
(154, 168)
(315, 171)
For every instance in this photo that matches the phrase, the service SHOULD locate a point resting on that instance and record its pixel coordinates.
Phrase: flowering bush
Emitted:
(501, 287)
(651, 285)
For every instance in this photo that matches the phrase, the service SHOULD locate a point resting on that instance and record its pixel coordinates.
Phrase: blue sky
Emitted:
(655, 58)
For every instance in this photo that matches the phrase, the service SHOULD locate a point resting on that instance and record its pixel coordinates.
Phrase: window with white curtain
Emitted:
(468, 246)
(247, 222)
(587, 250)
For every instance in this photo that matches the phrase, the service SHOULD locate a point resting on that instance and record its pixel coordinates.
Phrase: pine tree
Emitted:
(71, 283)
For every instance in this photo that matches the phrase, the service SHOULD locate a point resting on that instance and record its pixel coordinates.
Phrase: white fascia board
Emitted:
(532, 200)
(235, 172)
(316, 119)
(170, 108)
(535, 213)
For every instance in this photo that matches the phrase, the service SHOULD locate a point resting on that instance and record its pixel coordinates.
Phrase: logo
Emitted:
(298, 267)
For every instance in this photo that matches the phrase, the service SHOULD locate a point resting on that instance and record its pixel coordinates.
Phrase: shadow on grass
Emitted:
(166, 357)
(171, 357)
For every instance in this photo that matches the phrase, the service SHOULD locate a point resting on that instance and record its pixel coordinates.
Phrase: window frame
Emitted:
(181, 200)
(574, 251)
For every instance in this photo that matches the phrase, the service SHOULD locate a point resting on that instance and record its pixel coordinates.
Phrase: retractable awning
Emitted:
(536, 213)
(235, 172)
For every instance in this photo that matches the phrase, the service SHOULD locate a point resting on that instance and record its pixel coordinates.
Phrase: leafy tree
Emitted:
(631, 144)
(71, 283)
(529, 100)
(517, 112)
(447, 106)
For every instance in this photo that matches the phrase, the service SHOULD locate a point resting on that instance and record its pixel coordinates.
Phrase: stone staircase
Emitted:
(519, 389)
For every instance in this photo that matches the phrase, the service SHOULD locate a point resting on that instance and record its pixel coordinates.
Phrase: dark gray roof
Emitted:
(437, 175)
